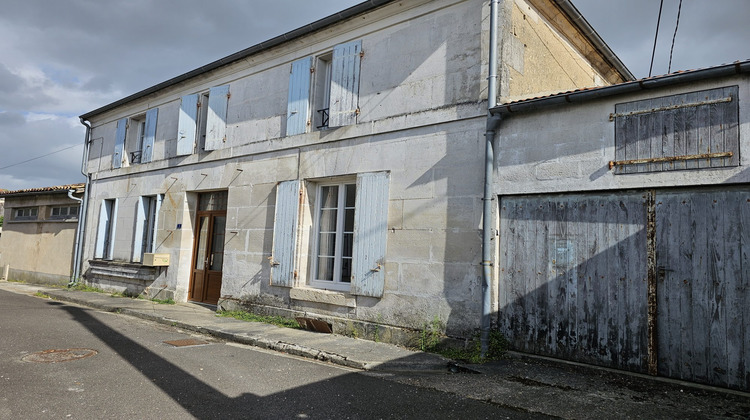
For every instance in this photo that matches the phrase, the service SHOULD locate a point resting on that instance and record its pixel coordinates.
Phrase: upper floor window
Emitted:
(26, 213)
(335, 97)
(64, 212)
(202, 123)
(142, 130)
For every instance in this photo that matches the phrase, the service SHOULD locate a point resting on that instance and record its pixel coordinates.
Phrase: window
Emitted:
(202, 121)
(105, 235)
(334, 231)
(66, 212)
(27, 213)
(686, 131)
(336, 90)
(142, 130)
(144, 238)
(138, 127)
(349, 234)
(322, 90)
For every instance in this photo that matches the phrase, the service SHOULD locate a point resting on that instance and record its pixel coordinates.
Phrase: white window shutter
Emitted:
(147, 153)
(298, 104)
(159, 199)
(370, 234)
(285, 233)
(186, 125)
(113, 227)
(216, 122)
(344, 104)
(101, 231)
(122, 126)
(140, 220)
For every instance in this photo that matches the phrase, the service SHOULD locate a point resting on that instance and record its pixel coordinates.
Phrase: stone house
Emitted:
(39, 233)
(624, 225)
(334, 172)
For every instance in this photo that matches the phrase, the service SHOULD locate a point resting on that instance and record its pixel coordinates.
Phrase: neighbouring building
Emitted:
(624, 228)
(335, 172)
(39, 232)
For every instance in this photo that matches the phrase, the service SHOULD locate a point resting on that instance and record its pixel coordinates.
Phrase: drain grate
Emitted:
(186, 342)
(58, 355)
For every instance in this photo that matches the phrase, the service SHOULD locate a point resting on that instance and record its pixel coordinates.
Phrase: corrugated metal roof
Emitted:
(585, 94)
(57, 189)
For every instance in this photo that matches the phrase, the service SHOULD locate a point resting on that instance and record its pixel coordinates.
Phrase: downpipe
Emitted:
(493, 122)
(80, 231)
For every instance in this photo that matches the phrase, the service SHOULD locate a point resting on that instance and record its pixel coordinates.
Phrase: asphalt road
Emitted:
(135, 374)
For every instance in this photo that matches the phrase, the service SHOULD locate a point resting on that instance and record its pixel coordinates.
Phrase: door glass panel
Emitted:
(217, 243)
(200, 254)
(213, 201)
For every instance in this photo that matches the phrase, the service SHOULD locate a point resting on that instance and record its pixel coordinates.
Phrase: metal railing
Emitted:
(135, 157)
(323, 118)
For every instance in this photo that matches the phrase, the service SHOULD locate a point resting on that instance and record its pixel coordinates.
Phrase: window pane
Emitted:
(346, 270)
(213, 201)
(56, 211)
(327, 244)
(200, 254)
(348, 244)
(33, 212)
(349, 220)
(351, 195)
(328, 220)
(217, 243)
(325, 268)
(74, 211)
(329, 197)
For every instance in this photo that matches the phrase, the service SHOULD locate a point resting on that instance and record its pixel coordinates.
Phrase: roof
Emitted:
(52, 190)
(573, 15)
(586, 94)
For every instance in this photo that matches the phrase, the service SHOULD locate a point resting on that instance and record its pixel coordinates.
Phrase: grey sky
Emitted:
(59, 59)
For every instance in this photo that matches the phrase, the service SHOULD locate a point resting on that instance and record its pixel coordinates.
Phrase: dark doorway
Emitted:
(208, 253)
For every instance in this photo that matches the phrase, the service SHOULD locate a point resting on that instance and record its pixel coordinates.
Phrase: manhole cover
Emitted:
(187, 342)
(58, 355)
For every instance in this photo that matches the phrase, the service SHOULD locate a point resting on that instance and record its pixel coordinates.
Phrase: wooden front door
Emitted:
(208, 256)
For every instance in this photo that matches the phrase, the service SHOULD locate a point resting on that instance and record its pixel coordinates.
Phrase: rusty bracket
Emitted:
(613, 115)
(613, 163)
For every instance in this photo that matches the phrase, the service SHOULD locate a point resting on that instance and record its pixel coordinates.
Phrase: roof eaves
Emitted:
(44, 190)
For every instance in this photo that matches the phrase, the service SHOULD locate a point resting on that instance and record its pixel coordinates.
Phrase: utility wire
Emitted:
(653, 52)
(677, 25)
(39, 157)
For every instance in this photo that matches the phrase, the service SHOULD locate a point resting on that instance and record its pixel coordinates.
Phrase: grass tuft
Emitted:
(267, 319)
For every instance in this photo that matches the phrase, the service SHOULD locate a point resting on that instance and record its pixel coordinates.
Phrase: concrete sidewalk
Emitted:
(535, 385)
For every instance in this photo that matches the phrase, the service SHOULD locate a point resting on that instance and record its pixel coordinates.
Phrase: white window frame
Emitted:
(335, 284)
(144, 237)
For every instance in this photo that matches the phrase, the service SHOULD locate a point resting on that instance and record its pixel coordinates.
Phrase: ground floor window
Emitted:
(334, 235)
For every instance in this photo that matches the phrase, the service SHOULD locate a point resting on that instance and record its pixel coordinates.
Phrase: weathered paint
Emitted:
(286, 223)
(703, 286)
(187, 125)
(573, 277)
(298, 103)
(216, 120)
(122, 126)
(370, 234)
(344, 102)
(141, 214)
(705, 132)
(149, 135)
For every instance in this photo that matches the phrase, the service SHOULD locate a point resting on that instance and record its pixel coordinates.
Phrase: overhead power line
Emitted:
(677, 25)
(39, 157)
(653, 52)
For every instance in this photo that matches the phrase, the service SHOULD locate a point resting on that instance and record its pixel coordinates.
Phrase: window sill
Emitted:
(323, 296)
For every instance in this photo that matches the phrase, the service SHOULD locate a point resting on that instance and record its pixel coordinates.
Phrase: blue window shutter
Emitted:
(101, 231)
(122, 126)
(147, 154)
(370, 234)
(298, 104)
(159, 199)
(186, 125)
(113, 229)
(285, 233)
(140, 220)
(344, 104)
(216, 122)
